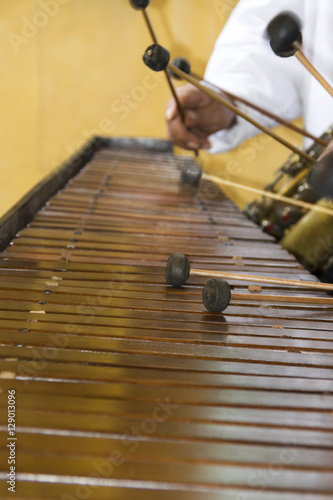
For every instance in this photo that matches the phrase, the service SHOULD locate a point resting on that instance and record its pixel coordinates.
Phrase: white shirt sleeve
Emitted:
(243, 63)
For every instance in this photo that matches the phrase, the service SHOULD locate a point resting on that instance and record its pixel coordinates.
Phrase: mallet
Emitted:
(216, 296)
(178, 271)
(142, 5)
(192, 175)
(157, 58)
(285, 38)
(139, 4)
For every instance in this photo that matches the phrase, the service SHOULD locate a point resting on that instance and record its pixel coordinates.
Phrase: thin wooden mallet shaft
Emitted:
(149, 26)
(280, 120)
(172, 88)
(264, 112)
(283, 298)
(261, 279)
(269, 194)
(175, 96)
(309, 66)
(238, 112)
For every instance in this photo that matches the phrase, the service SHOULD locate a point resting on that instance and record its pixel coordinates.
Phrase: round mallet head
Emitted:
(139, 4)
(191, 175)
(177, 270)
(320, 176)
(181, 64)
(283, 31)
(156, 57)
(216, 295)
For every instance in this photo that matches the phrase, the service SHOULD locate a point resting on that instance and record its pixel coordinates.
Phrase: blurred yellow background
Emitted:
(72, 69)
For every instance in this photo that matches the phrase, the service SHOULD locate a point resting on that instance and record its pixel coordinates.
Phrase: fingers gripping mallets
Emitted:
(157, 58)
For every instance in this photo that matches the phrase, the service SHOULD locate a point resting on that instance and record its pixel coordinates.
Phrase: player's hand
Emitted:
(203, 116)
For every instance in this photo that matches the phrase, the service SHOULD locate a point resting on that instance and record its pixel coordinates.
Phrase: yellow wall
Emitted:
(71, 69)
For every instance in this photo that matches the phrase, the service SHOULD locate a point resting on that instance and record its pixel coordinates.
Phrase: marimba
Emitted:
(127, 388)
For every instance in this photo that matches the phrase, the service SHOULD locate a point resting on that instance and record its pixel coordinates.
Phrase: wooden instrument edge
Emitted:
(26, 208)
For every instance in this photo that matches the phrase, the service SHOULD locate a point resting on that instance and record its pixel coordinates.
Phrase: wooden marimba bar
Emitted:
(126, 388)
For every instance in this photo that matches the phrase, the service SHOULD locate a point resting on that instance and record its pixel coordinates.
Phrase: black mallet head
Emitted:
(139, 4)
(320, 176)
(181, 64)
(282, 32)
(177, 270)
(156, 57)
(191, 175)
(216, 295)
